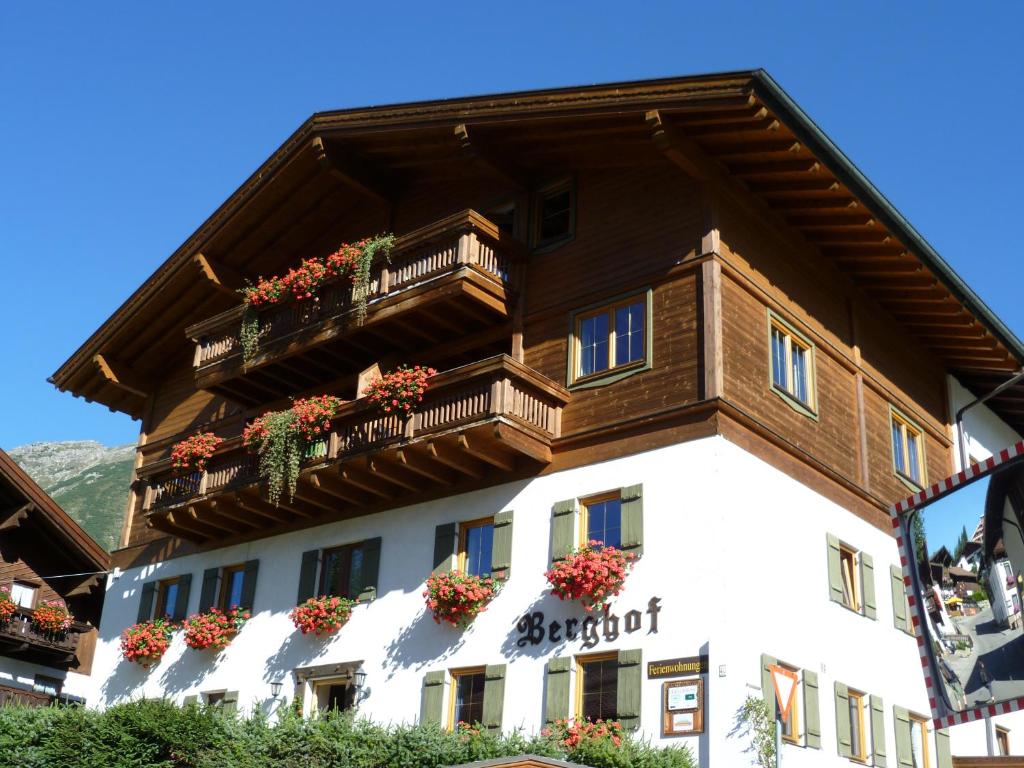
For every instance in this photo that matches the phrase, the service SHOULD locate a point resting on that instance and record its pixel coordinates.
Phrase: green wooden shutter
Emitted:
(899, 598)
(843, 737)
(146, 601)
(208, 593)
(563, 528)
(877, 731)
(556, 696)
(867, 582)
(628, 694)
(229, 704)
(307, 576)
(181, 601)
(248, 597)
(494, 696)
(432, 703)
(191, 699)
(835, 570)
(904, 749)
(812, 715)
(767, 687)
(943, 756)
(501, 547)
(633, 519)
(370, 569)
(445, 541)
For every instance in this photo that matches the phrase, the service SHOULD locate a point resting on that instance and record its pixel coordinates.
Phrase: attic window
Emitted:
(554, 220)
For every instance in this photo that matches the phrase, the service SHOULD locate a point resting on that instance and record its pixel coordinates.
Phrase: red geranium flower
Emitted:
(592, 574)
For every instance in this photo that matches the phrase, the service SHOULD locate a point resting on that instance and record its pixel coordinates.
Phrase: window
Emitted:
(851, 588)
(342, 574)
(467, 697)
(1002, 740)
(554, 214)
(214, 698)
(601, 520)
(337, 694)
(51, 686)
(232, 578)
(791, 725)
(23, 594)
(907, 449)
(858, 739)
(597, 687)
(166, 598)
(792, 361)
(476, 547)
(919, 742)
(610, 338)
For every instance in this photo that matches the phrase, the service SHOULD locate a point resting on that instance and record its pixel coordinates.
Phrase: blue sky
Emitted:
(123, 125)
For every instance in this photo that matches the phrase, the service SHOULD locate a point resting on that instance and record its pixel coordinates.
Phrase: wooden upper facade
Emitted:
(710, 205)
(49, 557)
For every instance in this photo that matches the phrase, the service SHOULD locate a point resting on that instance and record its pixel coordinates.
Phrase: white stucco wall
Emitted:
(22, 674)
(735, 549)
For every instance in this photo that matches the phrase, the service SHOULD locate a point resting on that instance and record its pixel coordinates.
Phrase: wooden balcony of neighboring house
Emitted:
(23, 697)
(479, 424)
(21, 639)
(451, 283)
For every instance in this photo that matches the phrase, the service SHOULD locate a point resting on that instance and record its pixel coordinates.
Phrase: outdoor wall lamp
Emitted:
(275, 689)
(360, 679)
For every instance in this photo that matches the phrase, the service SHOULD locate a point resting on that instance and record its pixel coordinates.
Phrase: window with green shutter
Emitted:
(803, 710)
(350, 570)
(629, 689)
(900, 606)
(556, 689)
(877, 731)
(146, 598)
(501, 550)
(494, 696)
(812, 715)
(432, 699)
(446, 540)
(851, 577)
(943, 757)
(842, 706)
(563, 529)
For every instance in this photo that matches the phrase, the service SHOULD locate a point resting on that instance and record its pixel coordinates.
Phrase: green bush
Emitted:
(157, 734)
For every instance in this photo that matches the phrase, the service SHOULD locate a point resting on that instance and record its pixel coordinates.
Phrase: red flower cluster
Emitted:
(7, 605)
(304, 281)
(592, 574)
(52, 616)
(322, 615)
(457, 598)
(214, 629)
(145, 643)
(401, 390)
(193, 452)
(313, 415)
(572, 734)
(255, 433)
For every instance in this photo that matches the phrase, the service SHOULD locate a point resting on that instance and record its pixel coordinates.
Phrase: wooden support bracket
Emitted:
(122, 376)
(350, 171)
(220, 276)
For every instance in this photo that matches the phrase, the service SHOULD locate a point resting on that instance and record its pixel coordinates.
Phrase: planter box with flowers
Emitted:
(192, 453)
(322, 615)
(215, 628)
(7, 606)
(457, 598)
(401, 390)
(52, 617)
(146, 642)
(572, 734)
(592, 575)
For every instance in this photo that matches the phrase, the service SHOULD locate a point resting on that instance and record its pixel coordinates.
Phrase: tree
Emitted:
(961, 544)
(920, 546)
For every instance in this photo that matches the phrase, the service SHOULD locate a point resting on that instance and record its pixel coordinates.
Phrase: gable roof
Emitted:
(33, 506)
(739, 131)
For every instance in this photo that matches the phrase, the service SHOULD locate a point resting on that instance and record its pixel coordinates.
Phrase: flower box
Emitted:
(53, 617)
(322, 615)
(193, 452)
(572, 733)
(146, 642)
(401, 390)
(592, 575)
(215, 628)
(456, 598)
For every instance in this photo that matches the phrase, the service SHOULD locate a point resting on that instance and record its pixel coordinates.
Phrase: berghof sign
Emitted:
(685, 665)
(592, 629)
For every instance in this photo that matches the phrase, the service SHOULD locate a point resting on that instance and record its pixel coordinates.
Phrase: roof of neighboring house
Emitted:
(962, 573)
(783, 165)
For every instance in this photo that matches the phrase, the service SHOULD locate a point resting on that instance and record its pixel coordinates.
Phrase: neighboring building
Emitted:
(668, 314)
(45, 556)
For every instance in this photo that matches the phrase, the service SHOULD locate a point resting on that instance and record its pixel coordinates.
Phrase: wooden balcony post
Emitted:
(498, 403)
(469, 249)
(332, 445)
(203, 479)
(147, 496)
(384, 284)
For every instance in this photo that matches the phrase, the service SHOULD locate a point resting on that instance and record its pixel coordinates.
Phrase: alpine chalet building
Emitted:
(667, 315)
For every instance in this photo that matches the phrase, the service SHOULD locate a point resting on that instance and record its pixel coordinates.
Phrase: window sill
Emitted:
(551, 245)
(794, 403)
(610, 376)
(912, 485)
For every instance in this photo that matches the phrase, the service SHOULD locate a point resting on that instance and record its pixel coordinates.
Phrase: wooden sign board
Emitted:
(682, 704)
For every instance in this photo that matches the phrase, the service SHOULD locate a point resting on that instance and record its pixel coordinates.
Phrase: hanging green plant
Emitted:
(281, 440)
(303, 283)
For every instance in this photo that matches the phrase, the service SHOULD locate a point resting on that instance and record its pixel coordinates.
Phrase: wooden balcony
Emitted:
(444, 284)
(20, 639)
(479, 424)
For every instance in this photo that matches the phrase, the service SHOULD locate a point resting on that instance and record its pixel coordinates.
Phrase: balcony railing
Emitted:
(495, 416)
(463, 262)
(19, 634)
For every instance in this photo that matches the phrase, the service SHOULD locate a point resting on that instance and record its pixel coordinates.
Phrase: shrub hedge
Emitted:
(158, 734)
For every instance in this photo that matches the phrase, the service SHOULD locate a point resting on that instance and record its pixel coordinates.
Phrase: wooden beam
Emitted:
(122, 376)
(396, 475)
(86, 586)
(423, 464)
(322, 482)
(212, 520)
(190, 526)
(258, 506)
(226, 509)
(349, 171)
(220, 276)
(373, 484)
(461, 462)
(479, 155)
(494, 457)
(12, 518)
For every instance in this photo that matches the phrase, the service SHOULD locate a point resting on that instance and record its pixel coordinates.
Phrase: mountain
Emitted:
(89, 480)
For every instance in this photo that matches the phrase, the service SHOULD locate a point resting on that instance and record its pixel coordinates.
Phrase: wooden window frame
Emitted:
(462, 555)
(794, 707)
(316, 683)
(160, 599)
(787, 394)
(1002, 742)
(223, 589)
(899, 419)
(920, 722)
(613, 372)
(26, 585)
(453, 688)
(580, 666)
(858, 752)
(322, 575)
(583, 534)
(562, 184)
(853, 556)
